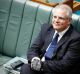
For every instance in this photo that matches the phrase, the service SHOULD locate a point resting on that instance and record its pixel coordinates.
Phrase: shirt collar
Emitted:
(63, 32)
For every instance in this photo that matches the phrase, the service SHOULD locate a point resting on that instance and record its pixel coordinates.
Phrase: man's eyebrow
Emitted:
(59, 16)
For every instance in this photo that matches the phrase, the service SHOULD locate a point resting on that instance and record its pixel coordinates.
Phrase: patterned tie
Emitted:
(51, 49)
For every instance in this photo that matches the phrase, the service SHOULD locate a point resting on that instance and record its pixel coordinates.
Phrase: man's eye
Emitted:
(62, 18)
(54, 16)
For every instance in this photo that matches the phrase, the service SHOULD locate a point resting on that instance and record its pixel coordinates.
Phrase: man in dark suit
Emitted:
(67, 50)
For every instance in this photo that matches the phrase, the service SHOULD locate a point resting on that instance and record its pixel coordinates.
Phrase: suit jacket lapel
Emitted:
(65, 37)
(50, 34)
(49, 37)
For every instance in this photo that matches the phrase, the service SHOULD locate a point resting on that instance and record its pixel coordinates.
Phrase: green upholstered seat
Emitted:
(43, 16)
(27, 25)
(76, 21)
(4, 16)
(13, 28)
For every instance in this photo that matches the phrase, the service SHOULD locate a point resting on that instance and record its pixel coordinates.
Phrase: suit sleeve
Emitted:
(35, 49)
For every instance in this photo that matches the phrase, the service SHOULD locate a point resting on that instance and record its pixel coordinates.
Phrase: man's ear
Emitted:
(70, 19)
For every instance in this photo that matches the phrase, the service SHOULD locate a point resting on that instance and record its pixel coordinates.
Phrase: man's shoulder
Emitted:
(76, 33)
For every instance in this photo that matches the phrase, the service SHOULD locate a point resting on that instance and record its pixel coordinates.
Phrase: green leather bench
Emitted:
(20, 22)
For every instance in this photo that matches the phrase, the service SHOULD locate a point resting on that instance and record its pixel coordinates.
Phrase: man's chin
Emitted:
(57, 29)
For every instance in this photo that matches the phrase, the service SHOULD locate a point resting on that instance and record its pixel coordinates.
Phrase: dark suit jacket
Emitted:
(67, 52)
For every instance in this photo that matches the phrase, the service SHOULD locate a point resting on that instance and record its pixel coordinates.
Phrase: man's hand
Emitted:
(36, 63)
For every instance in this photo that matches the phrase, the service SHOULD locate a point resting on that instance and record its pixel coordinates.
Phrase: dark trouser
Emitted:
(26, 69)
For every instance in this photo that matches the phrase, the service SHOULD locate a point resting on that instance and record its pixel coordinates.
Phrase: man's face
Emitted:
(60, 20)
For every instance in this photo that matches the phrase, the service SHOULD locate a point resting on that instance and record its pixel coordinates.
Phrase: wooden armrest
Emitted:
(76, 6)
(73, 4)
(45, 3)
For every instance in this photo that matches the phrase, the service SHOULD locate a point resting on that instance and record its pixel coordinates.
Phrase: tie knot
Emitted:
(55, 39)
(56, 35)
